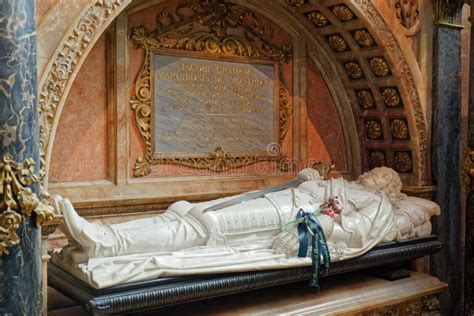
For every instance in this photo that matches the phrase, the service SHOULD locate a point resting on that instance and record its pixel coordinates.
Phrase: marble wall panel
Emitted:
(325, 137)
(42, 7)
(80, 148)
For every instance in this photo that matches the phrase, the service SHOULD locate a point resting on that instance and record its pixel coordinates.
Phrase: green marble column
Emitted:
(20, 270)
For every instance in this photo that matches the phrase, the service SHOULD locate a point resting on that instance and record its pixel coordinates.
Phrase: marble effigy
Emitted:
(252, 235)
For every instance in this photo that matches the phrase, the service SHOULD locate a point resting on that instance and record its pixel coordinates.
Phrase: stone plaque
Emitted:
(201, 104)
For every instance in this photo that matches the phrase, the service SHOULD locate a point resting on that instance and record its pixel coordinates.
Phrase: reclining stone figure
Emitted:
(253, 234)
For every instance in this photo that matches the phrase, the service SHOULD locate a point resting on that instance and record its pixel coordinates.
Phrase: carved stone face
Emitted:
(378, 178)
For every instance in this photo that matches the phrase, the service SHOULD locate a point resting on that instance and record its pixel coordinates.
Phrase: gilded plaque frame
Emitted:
(214, 43)
(204, 56)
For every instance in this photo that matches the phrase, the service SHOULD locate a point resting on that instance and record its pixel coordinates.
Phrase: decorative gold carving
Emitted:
(52, 89)
(216, 15)
(366, 99)
(9, 223)
(337, 42)
(399, 129)
(353, 70)
(363, 38)
(296, 3)
(391, 97)
(430, 305)
(413, 308)
(403, 162)
(16, 180)
(398, 58)
(373, 129)
(379, 66)
(317, 18)
(467, 169)
(377, 159)
(342, 12)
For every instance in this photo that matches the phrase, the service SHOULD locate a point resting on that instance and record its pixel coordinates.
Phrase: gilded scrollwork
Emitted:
(337, 42)
(220, 16)
(399, 129)
(353, 70)
(379, 67)
(317, 18)
(373, 129)
(18, 198)
(402, 161)
(391, 97)
(342, 12)
(363, 38)
(366, 99)
(467, 169)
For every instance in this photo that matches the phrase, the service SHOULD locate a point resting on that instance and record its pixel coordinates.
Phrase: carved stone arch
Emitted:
(97, 16)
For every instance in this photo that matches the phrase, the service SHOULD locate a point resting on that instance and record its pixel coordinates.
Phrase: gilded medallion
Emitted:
(399, 129)
(379, 67)
(317, 18)
(342, 12)
(391, 97)
(296, 3)
(377, 159)
(373, 129)
(353, 70)
(366, 99)
(363, 38)
(337, 42)
(403, 162)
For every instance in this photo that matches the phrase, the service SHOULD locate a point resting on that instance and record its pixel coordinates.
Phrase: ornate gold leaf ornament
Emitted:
(366, 99)
(467, 169)
(403, 162)
(317, 18)
(399, 129)
(218, 17)
(353, 70)
(390, 97)
(342, 12)
(17, 198)
(337, 42)
(374, 129)
(379, 67)
(363, 38)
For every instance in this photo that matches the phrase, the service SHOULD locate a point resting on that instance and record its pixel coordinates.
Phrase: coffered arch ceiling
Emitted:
(349, 42)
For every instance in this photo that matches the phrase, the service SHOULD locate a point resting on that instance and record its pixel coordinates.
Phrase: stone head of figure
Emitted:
(382, 179)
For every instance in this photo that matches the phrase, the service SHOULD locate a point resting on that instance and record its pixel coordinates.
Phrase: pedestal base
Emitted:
(354, 294)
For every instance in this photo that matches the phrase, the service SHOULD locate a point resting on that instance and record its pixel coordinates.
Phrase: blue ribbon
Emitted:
(319, 247)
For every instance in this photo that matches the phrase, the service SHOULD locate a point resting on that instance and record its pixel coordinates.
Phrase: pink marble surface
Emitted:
(80, 147)
(42, 7)
(325, 138)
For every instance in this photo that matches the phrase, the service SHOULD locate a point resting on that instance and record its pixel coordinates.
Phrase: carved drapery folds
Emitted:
(219, 18)
(17, 198)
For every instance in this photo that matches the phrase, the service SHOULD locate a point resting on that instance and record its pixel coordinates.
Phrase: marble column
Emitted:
(469, 270)
(447, 265)
(20, 270)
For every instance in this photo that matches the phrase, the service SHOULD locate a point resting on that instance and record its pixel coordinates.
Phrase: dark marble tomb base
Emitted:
(169, 291)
